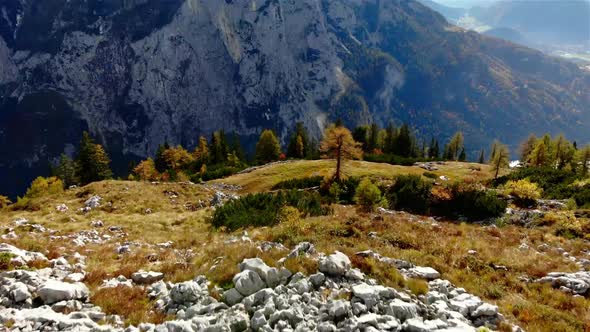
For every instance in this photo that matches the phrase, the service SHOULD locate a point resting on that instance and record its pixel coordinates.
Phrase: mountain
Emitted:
(550, 23)
(137, 73)
(543, 22)
(507, 34)
(453, 14)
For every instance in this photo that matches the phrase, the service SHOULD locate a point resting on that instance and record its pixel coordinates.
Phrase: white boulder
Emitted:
(55, 291)
(335, 265)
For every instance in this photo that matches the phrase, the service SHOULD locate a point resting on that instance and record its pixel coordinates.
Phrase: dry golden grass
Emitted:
(198, 249)
(129, 302)
(264, 178)
(445, 246)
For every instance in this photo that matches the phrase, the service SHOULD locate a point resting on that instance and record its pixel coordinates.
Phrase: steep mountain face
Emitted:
(137, 73)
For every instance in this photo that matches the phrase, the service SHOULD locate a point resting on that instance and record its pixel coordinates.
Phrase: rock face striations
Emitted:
(141, 72)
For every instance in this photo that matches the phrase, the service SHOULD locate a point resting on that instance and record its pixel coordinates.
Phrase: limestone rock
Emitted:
(54, 291)
(335, 265)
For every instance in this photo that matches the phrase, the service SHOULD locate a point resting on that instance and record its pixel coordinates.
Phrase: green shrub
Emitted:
(392, 159)
(555, 183)
(264, 209)
(218, 172)
(342, 192)
(470, 202)
(525, 193)
(5, 264)
(410, 193)
(368, 196)
(302, 183)
(582, 196)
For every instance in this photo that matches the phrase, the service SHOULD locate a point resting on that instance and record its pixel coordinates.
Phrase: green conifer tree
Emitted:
(92, 163)
(268, 147)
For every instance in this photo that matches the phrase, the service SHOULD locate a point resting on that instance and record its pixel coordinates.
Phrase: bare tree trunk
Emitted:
(338, 162)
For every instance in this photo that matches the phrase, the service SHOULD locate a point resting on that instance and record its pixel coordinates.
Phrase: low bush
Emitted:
(263, 209)
(302, 183)
(39, 187)
(410, 193)
(567, 225)
(525, 193)
(342, 192)
(392, 159)
(368, 196)
(5, 259)
(4, 202)
(555, 183)
(470, 202)
(417, 286)
(218, 172)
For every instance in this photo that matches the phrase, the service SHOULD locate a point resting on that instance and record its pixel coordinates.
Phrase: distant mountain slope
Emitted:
(541, 20)
(451, 13)
(506, 34)
(138, 73)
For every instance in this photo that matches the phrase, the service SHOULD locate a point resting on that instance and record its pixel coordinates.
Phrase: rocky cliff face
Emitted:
(137, 73)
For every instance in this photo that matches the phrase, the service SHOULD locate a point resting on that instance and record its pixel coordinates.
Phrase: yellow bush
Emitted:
(4, 201)
(146, 170)
(417, 286)
(525, 192)
(45, 186)
(567, 224)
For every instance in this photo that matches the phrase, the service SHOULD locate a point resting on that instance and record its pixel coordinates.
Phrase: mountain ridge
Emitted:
(137, 74)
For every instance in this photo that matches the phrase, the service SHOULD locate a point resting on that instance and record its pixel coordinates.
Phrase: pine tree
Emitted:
(146, 170)
(390, 136)
(339, 144)
(447, 154)
(299, 142)
(583, 158)
(455, 145)
(403, 143)
(268, 147)
(178, 159)
(219, 147)
(564, 151)
(361, 135)
(313, 151)
(462, 155)
(236, 147)
(373, 142)
(500, 158)
(482, 158)
(93, 162)
(539, 156)
(527, 148)
(433, 149)
(201, 153)
(159, 160)
(66, 171)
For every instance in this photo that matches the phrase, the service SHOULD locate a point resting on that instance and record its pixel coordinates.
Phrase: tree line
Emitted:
(222, 155)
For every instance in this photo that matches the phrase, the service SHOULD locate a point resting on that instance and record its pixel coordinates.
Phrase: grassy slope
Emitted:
(264, 178)
(443, 246)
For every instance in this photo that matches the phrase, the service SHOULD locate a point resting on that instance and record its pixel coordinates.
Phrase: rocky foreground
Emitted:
(336, 298)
